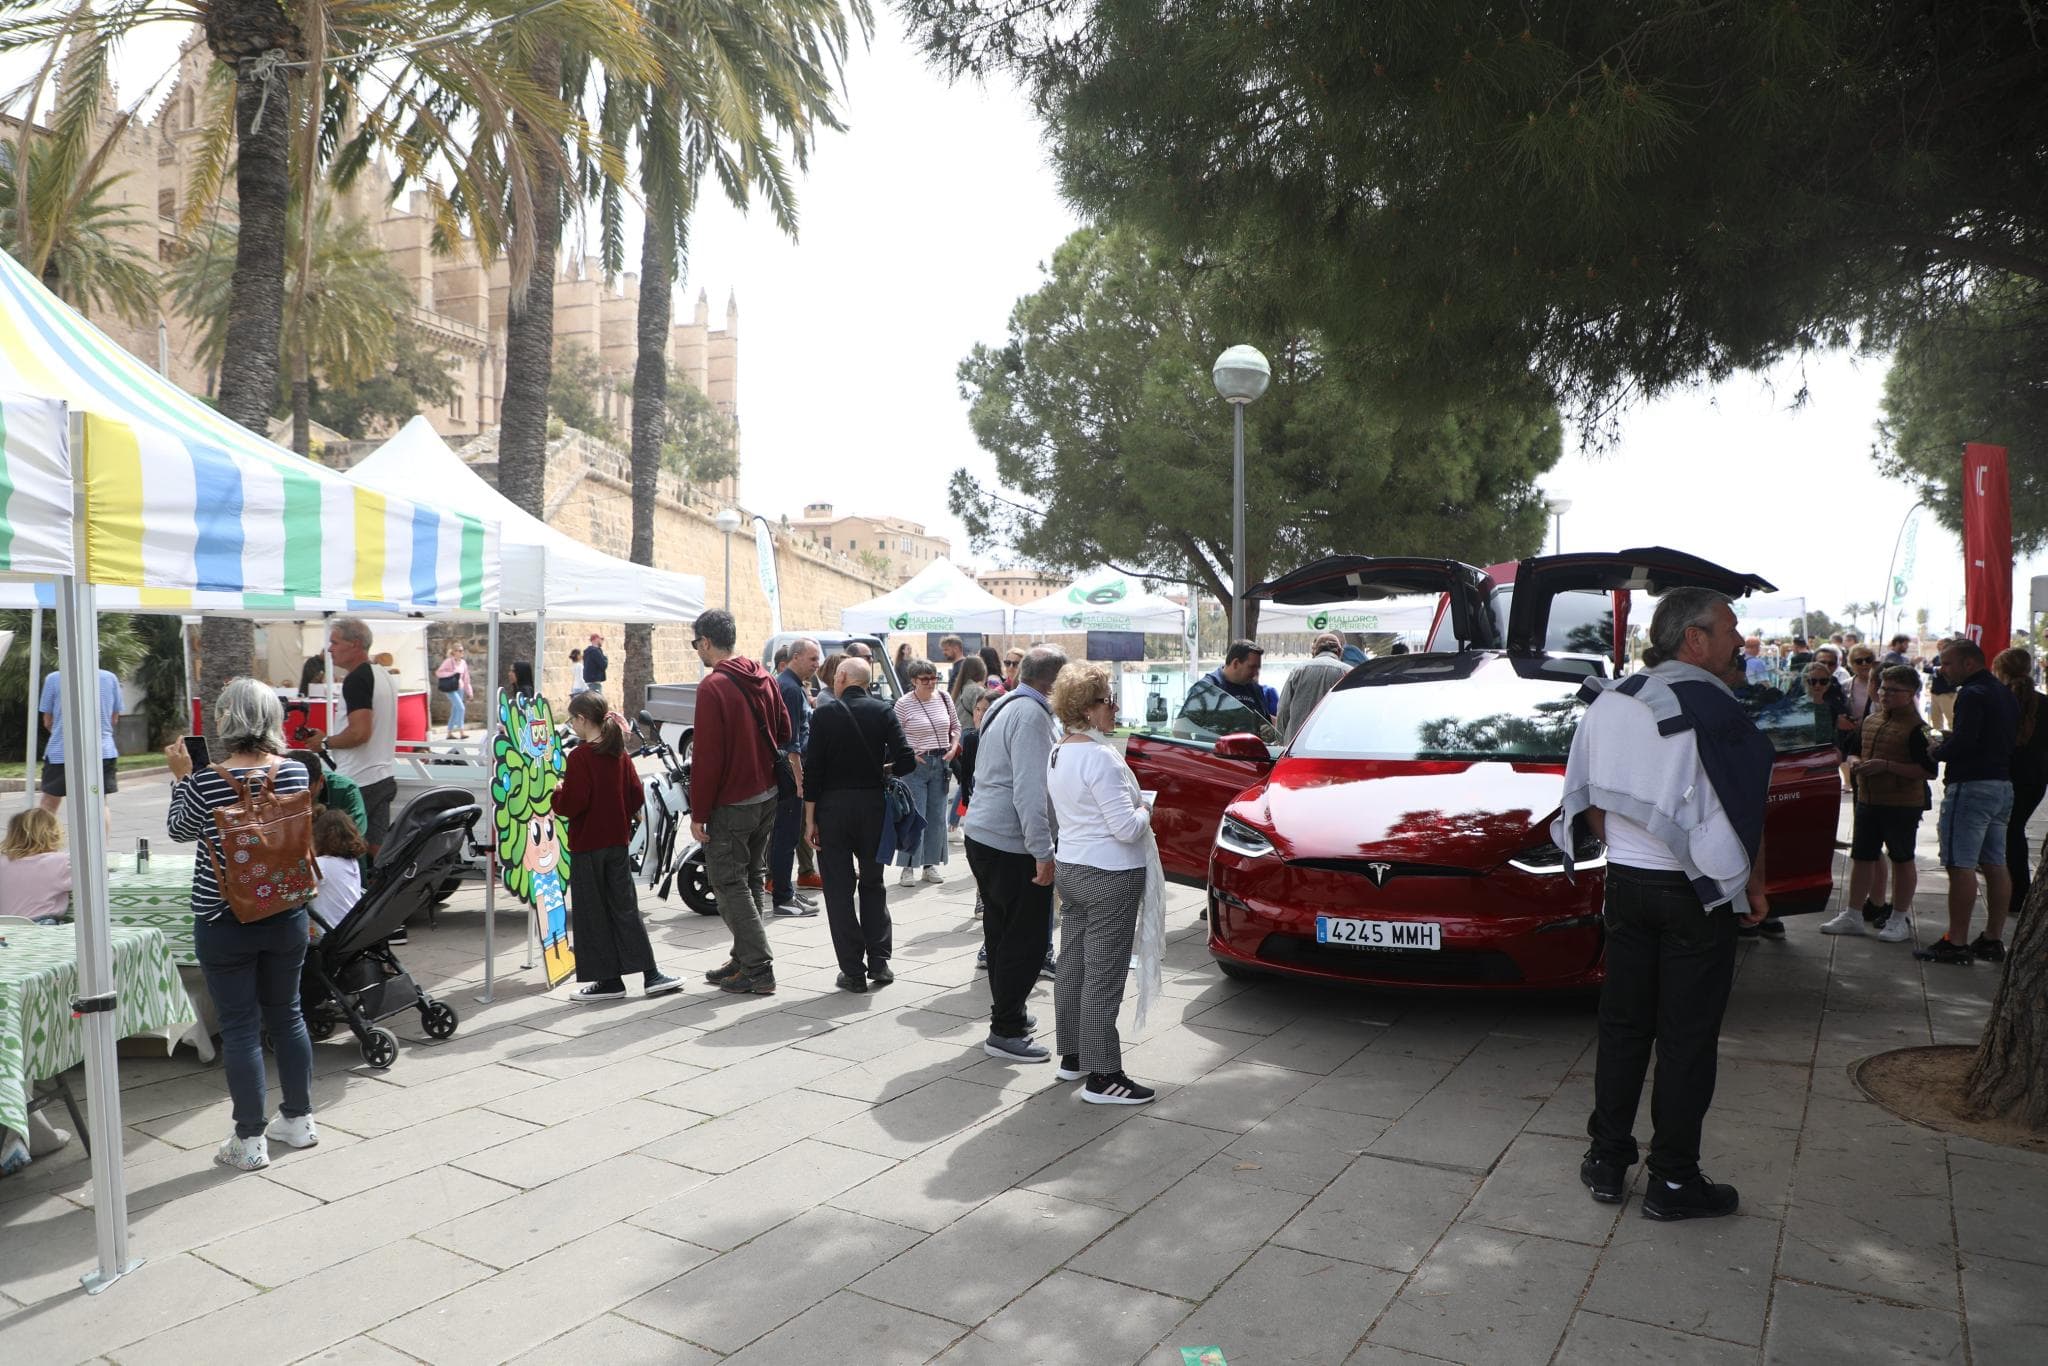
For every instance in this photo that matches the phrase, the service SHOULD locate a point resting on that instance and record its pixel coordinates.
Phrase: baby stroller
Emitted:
(351, 975)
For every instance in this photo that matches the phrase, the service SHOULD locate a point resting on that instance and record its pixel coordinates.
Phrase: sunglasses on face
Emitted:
(1100, 701)
(1818, 682)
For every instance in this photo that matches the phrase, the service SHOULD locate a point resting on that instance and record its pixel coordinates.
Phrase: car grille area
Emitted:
(1479, 967)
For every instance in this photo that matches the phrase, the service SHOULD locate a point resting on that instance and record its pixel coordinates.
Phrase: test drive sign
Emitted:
(1987, 547)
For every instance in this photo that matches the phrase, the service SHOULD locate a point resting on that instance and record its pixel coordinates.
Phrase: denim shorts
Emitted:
(1973, 820)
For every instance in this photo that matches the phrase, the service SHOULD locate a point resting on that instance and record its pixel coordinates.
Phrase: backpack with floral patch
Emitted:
(264, 864)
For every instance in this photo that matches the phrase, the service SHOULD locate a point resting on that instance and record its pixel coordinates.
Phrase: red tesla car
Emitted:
(1403, 838)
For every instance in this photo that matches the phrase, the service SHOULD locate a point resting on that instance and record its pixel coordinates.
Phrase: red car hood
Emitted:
(1463, 815)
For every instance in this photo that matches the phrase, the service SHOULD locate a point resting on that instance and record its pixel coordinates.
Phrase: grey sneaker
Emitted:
(1015, 1050)
(932, 875)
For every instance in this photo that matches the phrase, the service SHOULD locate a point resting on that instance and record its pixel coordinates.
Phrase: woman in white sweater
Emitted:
(1105, 870)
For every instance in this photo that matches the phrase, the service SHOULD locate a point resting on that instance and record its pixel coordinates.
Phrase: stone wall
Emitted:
(589, 491)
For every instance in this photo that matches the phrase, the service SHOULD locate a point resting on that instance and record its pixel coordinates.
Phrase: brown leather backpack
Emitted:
(264, 863)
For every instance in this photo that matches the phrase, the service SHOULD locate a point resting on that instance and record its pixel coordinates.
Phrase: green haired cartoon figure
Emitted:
(531, 839)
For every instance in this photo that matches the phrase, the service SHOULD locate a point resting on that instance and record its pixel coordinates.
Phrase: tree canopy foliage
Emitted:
(1978, 373)
(1625, 197)
(1111, 443)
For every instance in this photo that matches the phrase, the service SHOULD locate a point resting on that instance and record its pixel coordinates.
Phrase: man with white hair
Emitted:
(1311, 683)
(365, 746)
(1670, 772)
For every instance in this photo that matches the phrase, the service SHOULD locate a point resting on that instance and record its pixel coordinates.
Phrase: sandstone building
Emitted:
(890, 546)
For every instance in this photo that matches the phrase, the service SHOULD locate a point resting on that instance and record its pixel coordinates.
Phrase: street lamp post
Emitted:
(1241, 375)
(1557, 508)
(728, 522)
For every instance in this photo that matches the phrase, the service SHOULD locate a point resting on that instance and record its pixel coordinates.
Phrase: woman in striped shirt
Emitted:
(933, 730)
(252, 970)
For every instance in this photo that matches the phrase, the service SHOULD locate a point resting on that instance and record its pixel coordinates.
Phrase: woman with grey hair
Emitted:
(251, 969)
(933, 729)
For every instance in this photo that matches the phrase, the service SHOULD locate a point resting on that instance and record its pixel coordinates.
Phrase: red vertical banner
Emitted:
(1987, 547)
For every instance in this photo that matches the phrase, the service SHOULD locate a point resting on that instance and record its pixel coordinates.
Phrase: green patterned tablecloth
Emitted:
(39, 978)
(159, 897)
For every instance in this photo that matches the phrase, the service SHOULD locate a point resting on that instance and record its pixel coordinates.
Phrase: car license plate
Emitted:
(1379, 934)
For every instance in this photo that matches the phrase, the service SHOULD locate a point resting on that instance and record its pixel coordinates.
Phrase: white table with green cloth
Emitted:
(39, 1038)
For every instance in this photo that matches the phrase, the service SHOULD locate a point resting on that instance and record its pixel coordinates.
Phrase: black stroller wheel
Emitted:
(696, 886)
(439, 1019)
(318, 1029)
(380, 1048)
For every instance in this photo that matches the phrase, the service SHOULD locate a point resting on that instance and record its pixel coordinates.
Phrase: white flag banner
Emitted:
(764, 556)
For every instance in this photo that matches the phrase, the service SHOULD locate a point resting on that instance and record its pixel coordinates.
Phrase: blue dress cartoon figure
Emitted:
(531, 852)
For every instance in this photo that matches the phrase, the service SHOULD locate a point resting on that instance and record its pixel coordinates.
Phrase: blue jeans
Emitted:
(1973, 819)
(458, 712)
(253, 973)
(928, 788)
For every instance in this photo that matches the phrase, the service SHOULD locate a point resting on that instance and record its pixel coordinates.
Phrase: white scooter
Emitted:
(661, 853)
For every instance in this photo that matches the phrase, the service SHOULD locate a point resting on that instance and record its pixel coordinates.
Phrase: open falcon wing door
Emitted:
(1649, 569)
(1355, 578)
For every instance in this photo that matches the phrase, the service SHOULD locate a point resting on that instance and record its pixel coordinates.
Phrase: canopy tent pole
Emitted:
(485, 751)
(35, 698)
(185, 654)
(540, 652)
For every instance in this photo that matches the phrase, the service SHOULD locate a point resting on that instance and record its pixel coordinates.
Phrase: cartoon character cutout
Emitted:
(532, 852)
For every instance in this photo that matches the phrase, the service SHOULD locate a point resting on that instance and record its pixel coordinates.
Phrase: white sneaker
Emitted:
(1848, 920)
(243, 1154)
(1896, 928)
(908, 878)
(932, 874)
(293, 1133)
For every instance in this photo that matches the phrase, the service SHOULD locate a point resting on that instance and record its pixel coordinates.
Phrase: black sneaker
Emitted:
(1606, 1178)
(760, 983)
(1875, 915)
(1050, 968)
(1070, 1067)
(1987, 949)
(1114, 1088)
(1772, 928)
(1946, 950)
(1743, 931)
(660, 984)
(848, 982)
(1698, 1198)
(397, 936)
(879, 975)
(717, 976)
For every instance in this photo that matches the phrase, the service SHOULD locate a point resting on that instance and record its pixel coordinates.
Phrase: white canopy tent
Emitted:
(545, 570)
(1772, 613)
(1102, 600)
(940, 598)
(1411, 615)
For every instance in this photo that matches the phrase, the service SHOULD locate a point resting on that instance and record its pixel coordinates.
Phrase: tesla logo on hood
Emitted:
(1379, 872)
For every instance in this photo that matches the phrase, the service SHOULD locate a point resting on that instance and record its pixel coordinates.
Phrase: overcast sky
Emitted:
(933, 214)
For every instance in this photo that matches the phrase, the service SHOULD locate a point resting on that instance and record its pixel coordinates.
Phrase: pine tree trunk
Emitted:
(2009, 1077)
(650, 423)
(238, 33)
(530, 321)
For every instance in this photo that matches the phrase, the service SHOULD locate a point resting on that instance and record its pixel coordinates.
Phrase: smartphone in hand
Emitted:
(195, 748)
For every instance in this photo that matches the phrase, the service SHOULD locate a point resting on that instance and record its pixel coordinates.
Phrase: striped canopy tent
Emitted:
(116, 481)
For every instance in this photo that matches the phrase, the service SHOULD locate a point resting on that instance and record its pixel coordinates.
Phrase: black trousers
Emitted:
(856, 901)
(1670, 963)
(782, 842)
(2026, 795)
(605, 927)
(1016, 926)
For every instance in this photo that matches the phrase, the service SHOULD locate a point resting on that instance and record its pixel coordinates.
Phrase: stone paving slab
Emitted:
(1328, 1176)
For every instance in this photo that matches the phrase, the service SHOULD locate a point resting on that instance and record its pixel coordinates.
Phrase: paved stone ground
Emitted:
(1328, 1177)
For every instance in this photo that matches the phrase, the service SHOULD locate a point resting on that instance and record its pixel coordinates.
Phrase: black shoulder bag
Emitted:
(785, 777)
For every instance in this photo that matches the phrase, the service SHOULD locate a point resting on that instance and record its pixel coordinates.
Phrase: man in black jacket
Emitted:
(850, 744)
(595, 665)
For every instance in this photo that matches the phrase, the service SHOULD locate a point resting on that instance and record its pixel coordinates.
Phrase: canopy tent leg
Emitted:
(485, 751)
(78, 650)
(540, 654)
(185, 655)
(35, 697)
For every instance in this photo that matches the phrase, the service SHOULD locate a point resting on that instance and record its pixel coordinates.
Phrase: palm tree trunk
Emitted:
(302, 401)
(239, 33)
(530, 320)
(650, 423)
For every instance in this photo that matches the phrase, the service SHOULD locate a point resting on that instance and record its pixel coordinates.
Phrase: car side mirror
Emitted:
(1243, 745)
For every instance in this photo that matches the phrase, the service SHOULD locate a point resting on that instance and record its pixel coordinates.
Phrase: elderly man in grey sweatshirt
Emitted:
(1009, 849)
(1310, 684)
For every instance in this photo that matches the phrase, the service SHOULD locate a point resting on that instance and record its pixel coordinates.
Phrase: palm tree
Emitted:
(341, 294)
(732, 82)
(71, 235)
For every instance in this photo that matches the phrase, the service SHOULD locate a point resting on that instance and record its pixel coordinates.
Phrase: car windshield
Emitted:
(1497, 715)
(1477, 718)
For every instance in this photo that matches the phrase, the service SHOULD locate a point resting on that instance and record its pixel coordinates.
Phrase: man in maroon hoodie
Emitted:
(741, 724)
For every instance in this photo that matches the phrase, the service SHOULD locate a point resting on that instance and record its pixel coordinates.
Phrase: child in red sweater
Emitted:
(599, 797)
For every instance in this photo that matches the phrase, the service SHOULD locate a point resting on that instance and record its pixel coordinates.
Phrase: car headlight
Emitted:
(1587, 852)
(1240, 838)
